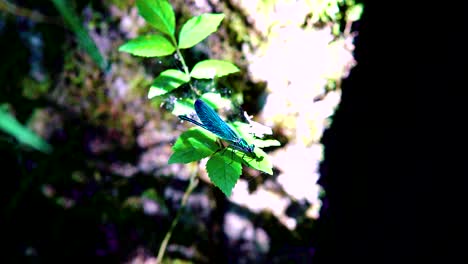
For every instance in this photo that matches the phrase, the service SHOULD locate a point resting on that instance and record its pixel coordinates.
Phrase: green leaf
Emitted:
(167, 81)
(192, 145)
(354, 13)
(254, 128)
(149, 46)
(260, 162)
(224, 172)
(198, 28)
(183, 107)
(244, 131)
(209, 69)
(10, 125)
(224, 163)
(216, 100)
(84, 40)
(266, 143)
(257, 129)
(159, 14)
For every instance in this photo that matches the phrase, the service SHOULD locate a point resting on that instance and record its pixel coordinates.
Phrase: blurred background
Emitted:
(84, 152)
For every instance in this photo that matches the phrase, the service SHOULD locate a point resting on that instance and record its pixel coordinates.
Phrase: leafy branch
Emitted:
(224, 165)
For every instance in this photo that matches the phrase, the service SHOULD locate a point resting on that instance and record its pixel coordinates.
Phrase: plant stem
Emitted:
(181, 59)
(193, 183)
(186, 70)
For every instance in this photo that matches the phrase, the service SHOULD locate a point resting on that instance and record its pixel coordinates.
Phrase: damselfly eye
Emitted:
(251, 148)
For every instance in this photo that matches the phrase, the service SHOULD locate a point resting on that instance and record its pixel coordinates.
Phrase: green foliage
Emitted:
(198, 28)
(224, 166)
(329, 10)
(149, 46)
(216, 100)
(33, 89)
(10, 125)
(261, 162)
(159, 14)
(354, 13)
(192, 145)
(183, 106)
(167, 81)
(224, 172)
(85, 41)
(210, 69)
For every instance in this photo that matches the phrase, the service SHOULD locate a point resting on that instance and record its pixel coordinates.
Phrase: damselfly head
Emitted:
(243, 146)
(251, 148)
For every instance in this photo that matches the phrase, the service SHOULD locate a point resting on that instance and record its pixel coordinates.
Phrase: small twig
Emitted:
(162, 249)
(30, 14)
(347, 30)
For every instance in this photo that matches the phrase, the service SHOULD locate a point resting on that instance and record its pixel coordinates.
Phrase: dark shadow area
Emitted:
(394, 168)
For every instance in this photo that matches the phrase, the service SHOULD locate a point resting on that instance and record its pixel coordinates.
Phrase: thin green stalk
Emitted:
(186, 70)
(162, 249)
(181, 59)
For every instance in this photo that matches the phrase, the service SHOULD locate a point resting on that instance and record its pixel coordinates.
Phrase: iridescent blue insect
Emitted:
(211, 121)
